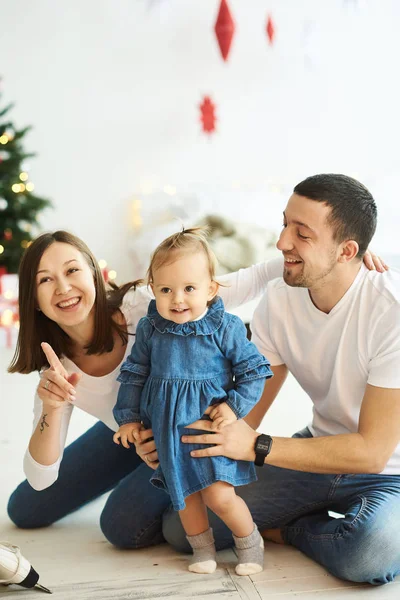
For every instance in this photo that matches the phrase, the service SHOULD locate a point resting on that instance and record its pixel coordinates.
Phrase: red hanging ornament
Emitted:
(104, 272)
(270, 29)
(8, 234)
(208, 117)
(224, 29)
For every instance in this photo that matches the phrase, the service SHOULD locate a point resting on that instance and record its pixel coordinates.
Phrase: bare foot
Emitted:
(273, 535)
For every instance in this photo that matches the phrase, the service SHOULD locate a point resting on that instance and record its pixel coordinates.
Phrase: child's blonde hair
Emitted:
(189, 240)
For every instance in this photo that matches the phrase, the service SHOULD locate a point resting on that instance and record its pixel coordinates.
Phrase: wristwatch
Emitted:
(262, 448)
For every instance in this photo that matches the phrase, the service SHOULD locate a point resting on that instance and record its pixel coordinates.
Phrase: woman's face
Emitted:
(65, 289)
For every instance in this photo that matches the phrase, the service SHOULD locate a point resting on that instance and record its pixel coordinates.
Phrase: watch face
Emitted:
(263, 444)
(263, 447)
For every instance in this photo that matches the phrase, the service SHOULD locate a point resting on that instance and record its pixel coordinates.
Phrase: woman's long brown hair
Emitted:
(35, 327)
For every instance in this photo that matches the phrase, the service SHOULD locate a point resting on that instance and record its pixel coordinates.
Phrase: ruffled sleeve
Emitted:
(250, 368)
(133, 375)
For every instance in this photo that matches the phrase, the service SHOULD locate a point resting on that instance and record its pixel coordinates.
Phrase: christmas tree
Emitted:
(19, 207)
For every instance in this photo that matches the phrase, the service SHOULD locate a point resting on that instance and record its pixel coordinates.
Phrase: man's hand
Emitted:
(221, 415)
(234, 441)
(127, 434)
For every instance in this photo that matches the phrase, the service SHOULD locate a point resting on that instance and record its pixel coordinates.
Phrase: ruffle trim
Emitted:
(205, 326)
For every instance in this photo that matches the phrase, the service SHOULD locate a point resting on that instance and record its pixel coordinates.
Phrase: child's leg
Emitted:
(221, 498)
(199, 535)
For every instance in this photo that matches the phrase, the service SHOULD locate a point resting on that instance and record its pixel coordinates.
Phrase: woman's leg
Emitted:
(91, 466)
(132, 516)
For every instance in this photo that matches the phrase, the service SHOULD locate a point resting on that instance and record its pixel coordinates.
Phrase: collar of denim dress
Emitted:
(211, 321)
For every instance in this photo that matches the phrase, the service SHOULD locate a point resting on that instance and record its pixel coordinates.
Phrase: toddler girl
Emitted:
(190, 354)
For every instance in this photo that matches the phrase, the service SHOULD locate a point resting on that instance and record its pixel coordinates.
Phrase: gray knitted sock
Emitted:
(203, 546)
(250, 551)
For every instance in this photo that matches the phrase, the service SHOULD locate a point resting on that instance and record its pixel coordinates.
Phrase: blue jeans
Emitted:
(92, 465)
(362, 546)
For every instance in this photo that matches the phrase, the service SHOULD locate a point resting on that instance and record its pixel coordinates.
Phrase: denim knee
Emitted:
(24, 514)
(115, 532)
(130, 532)
(373, 558)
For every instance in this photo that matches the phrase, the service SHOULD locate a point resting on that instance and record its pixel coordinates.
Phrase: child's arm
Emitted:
(133, 376)
(249, 367)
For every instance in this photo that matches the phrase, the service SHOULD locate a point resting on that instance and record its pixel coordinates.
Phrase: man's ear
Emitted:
(213, 290)
(349, 251)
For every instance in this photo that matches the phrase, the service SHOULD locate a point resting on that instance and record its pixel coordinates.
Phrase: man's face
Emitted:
(307, 244)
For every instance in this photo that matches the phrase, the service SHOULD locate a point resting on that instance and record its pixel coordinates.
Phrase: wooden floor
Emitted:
(75, 562)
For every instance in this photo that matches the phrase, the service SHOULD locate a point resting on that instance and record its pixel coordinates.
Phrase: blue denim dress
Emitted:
(174, 372)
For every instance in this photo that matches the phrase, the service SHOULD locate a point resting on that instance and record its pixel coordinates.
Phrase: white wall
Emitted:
(112, 89)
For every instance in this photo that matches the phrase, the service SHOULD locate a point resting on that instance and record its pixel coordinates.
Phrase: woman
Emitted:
(77, 335)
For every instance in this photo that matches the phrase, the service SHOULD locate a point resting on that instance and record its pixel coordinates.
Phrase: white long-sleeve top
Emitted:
(97, 395)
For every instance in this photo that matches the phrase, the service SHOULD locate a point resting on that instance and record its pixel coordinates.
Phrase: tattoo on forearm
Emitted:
(43, 423)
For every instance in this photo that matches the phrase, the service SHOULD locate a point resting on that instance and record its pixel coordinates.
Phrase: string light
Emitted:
(102, 263)
(29, 187)
(3, 139)
(170, 190)
(23, 176)
(1, 249)
(24, 243)
(137, 220)
(15, 187)
(112, 274)
(7, 318)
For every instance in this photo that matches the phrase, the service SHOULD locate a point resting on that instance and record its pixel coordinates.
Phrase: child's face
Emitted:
(183, 288)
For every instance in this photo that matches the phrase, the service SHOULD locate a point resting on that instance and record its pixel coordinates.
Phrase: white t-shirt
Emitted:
(334, 356)
(98, 395)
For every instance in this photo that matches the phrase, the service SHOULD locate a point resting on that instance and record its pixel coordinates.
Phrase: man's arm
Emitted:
(271, 389)
(366, 451)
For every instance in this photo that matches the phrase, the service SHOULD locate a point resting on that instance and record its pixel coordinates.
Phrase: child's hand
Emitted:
(221, 416)
(127, 434)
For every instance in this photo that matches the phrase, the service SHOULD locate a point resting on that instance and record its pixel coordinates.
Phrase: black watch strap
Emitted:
(262, 448)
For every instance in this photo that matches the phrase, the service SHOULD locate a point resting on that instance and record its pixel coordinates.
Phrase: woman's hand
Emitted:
(374, 262)
(234, 441)
(146, 448)
(56, 387)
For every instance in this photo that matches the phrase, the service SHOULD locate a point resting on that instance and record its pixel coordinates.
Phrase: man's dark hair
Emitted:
(353, 215)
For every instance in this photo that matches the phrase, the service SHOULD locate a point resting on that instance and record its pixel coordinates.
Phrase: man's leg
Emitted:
(274, 500)
(364, 544)
(278, 497)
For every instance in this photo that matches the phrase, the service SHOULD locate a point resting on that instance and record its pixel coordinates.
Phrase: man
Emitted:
(336, 327)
